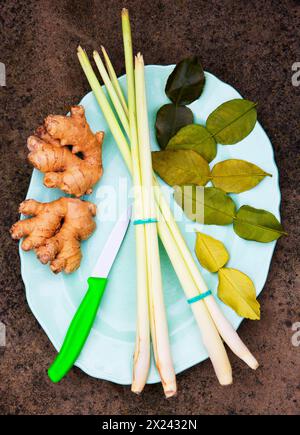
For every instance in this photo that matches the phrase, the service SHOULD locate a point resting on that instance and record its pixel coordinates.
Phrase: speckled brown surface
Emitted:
(251, 45)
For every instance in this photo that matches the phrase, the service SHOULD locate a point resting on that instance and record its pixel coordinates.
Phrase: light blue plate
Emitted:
(53, 299)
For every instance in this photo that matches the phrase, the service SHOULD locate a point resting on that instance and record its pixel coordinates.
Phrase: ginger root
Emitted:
(56, 230)
(50, 152)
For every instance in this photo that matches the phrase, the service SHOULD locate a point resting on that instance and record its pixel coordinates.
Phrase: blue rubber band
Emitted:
(144, 221)
(199, 297)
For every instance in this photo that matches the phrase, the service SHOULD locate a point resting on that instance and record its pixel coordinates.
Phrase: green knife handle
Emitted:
(78, 330)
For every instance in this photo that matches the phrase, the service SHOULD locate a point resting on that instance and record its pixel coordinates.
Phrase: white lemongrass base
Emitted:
(158, 320)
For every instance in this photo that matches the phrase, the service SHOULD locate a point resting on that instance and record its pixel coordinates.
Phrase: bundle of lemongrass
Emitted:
(212, 323)
(146, 233)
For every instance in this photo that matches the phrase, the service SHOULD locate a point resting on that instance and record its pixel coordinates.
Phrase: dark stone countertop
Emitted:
(252, 46)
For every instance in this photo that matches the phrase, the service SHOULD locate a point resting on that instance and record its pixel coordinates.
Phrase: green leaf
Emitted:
(181, 167)
(256, 224)
(207, 205)
(186, 82)
(236, 176)
(237, 291)
(169, 120)
(219, 208)
(194, 137)
(210, 252)
(232, 121)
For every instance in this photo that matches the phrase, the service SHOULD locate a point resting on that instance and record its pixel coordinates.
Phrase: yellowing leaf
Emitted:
(181, 167)
(237, 291)
(236, 176)
(210, 252)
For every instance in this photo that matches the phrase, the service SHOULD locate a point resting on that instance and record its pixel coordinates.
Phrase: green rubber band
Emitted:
(199, 297)
(144, 221)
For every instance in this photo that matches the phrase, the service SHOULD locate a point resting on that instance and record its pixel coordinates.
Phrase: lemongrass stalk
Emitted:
(114, 80)
(141, 357)
(209, 333)
(105, 107)
(111, 92)
(158, 323)
(162, 351)
(226, 330)
(139, 375)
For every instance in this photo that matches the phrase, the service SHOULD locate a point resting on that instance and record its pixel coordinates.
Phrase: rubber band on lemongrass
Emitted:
(145, 221)
(199, 297)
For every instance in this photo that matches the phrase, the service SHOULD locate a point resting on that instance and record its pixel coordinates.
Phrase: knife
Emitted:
(83, 320)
